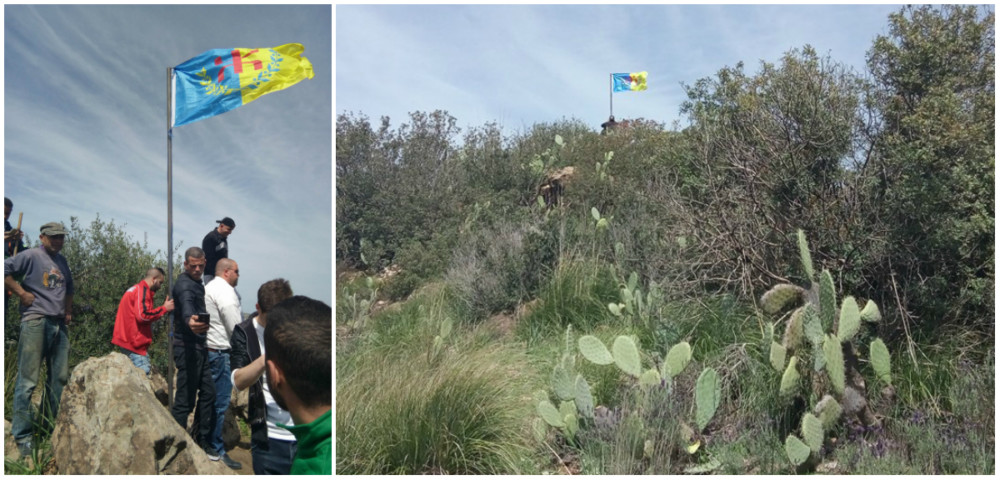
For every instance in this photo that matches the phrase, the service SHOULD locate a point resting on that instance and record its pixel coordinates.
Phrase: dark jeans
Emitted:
(42, 338)
(218, 364)
(275, 458)
(194, 381)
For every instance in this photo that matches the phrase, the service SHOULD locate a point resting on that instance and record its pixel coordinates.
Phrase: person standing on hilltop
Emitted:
(194, 378)
(225, 313)
(216, 247)
(271, 447)
(298, 358)
(46, 295)
(133, 332)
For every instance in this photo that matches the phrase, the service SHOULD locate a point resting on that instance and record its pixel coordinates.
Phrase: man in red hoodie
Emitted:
(136, 314)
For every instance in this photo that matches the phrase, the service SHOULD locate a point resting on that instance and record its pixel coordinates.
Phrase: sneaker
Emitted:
(213, 457)
(233, 464)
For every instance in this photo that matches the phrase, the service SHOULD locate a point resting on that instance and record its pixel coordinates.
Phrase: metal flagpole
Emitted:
(611, 94)
(170, 238)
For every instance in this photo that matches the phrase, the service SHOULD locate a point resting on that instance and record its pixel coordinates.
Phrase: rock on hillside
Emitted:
(111, 423)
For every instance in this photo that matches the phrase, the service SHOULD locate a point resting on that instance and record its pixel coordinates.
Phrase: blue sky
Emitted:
(519, 65)
(85, 133)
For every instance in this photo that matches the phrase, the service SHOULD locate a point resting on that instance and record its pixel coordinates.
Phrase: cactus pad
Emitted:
(811, 326)
(828, 411)
(584, 399)
(834, 363)
(779, 296)
(593, 349)
(677, 358)
(797, 451)
(778, 353)
(812, 432)
(626, 355)
(790, 379)
(806, 257)
(548, 412)
(707, 396)
(871, 312)
(446, 325)
(615, 309)
(880, 361)
(794, 330)
(850, 319)
(563, 384)
(649, 378)
(827, 300)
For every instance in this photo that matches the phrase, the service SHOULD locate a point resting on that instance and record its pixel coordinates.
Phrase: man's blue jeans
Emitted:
(218, 364)
(42, 337)
(276, 459)
(140, 361)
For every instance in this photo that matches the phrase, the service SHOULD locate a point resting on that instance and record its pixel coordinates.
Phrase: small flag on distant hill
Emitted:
(629, 82)
(220, 80)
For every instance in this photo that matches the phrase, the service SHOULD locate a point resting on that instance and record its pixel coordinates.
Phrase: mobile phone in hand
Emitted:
(203, 318)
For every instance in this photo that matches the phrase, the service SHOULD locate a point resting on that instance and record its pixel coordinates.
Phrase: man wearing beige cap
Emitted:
(46, 295)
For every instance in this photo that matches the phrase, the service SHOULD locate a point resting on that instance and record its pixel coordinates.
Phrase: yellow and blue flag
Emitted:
(629, 82)
(220, 80)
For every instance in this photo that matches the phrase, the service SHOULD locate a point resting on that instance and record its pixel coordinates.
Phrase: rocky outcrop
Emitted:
(110, 422)
(551, 190)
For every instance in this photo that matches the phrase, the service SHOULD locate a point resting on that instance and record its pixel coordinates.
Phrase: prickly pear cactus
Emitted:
(626, 355)
(821, 334)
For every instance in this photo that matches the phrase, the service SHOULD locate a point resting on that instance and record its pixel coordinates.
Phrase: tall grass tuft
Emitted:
(578, 293)
(464, 413)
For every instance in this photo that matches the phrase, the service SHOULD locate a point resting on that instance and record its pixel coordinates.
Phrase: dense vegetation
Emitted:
(889, 173)
(105, 261)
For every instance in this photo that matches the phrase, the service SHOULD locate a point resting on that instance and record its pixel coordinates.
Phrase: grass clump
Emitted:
(463, 412)
(578, 293)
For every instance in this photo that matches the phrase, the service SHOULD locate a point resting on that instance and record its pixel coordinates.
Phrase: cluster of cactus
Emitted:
(356, 308)
(571, 391)
(819, 331)
(640, 307)
(602, 169)
(540, 162)
(600, 223)
(625, 355)
(437, 346)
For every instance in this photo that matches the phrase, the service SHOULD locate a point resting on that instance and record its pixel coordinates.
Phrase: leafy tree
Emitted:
(772, 152)
(394, 187)
(934, 95)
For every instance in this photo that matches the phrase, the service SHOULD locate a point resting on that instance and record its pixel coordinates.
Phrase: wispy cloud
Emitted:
(525, 64)
(85, 132)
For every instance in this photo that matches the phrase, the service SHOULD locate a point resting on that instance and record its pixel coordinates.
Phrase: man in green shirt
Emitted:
(299, 357)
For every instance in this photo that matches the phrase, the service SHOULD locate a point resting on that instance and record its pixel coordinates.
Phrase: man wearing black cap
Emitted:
(215, 246)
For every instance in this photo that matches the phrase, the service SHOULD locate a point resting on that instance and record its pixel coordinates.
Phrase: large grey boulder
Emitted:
(110, 422)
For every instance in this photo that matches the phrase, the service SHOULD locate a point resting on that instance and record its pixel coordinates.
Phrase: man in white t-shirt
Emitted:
(223, 306)
(272, 447)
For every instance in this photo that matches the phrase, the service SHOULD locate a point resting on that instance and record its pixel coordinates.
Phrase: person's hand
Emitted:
(27, 298)
(69, 318)
(169, 304)
(196, 326)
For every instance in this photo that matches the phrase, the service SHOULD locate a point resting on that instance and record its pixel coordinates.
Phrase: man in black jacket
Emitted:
(272, 447)
(190, 352)
(216, 247)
